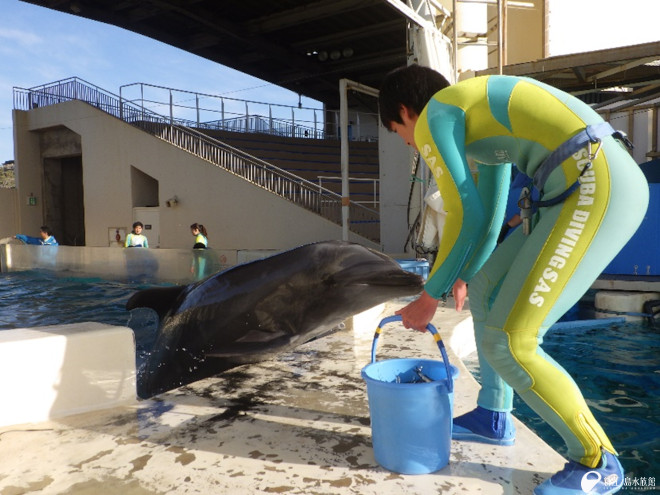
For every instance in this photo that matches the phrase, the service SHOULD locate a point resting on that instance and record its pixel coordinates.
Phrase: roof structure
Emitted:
(305, 46)
(625, 73)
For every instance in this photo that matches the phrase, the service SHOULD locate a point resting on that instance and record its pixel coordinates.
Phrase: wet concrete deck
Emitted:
(298, 424)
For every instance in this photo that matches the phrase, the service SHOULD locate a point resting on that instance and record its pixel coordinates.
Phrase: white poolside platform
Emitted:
(298, 424)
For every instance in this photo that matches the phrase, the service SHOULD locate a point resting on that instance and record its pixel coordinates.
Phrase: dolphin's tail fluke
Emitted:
(160, 299)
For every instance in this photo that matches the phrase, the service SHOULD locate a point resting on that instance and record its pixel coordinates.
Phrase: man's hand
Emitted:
(419, 313)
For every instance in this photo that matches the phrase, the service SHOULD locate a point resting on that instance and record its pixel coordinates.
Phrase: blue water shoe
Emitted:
(485, 426)
(578, 479)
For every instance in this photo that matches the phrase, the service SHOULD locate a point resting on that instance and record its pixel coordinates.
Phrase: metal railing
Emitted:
(311, 196)
(375, 187)
(263, 125)
(212, 111)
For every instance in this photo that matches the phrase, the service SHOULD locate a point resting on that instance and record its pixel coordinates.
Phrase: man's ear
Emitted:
(404, 112)
(407, 114)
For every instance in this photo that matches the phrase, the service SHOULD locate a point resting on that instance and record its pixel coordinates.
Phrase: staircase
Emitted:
(316, 160)
(304, 193)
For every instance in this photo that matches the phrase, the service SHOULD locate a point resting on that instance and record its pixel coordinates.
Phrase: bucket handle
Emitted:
(430, 328)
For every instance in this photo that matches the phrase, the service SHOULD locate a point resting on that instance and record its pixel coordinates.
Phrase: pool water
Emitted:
(616, 367)
(35, 298)
(30, 298)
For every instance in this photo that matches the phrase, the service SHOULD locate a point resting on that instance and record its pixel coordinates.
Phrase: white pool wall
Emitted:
(55, 371)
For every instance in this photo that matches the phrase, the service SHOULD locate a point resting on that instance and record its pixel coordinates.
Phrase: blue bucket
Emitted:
(411, 402)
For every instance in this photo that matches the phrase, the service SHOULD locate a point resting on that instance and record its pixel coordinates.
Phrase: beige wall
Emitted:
(524, 27)
(237, 214)
(525, 33)
(9, 217)
(28, 179)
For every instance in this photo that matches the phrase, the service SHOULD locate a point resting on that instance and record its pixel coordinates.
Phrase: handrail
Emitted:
(336, 179)
(226, 114)
(302, 192)
(219, 112)
(257, 123)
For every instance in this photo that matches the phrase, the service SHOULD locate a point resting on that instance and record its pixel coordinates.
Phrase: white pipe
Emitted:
(197, 107)
(344, 85)
(343, 131)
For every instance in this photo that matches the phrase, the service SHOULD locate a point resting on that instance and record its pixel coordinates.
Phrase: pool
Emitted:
(615, 366)
(37, 298)
(31, 298)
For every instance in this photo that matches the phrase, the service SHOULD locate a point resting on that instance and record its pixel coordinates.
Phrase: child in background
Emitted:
(136, 238)
(201, 236)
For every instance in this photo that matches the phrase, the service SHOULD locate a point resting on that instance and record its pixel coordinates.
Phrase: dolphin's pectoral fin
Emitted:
(160, 299)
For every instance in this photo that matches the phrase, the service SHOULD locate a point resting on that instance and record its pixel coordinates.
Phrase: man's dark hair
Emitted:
(412, 86)
(45, 229)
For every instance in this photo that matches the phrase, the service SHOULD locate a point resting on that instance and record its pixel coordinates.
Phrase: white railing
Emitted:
(209, 111)
(304, 193)
(259, 124)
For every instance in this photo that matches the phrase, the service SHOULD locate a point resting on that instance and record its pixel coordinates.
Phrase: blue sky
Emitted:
(39, 45)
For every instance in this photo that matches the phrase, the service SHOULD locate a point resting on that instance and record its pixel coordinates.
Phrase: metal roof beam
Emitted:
(305, 13)
(410, 14)
(350, 35)
(622, 68)
(628, 96)
(586, 59)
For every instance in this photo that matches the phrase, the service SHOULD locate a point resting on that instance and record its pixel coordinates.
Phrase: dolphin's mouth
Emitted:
(402, 279)
(364, 276)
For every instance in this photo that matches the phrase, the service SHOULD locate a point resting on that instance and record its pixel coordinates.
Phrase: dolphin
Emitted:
(253, 311)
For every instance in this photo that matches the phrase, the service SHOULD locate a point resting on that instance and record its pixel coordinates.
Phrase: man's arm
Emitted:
(440, 137)
(493, 188)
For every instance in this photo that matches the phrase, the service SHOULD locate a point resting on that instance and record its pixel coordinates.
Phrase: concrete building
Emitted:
(89, 175)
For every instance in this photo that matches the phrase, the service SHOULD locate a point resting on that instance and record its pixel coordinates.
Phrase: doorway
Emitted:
(64, 207)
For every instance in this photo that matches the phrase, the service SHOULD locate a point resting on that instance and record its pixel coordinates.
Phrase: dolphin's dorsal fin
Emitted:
(160, 299)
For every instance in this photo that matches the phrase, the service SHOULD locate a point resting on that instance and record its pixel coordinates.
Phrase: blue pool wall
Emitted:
(641, 255)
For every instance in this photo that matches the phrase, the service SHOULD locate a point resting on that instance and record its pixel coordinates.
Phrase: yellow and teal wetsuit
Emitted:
(200, 240)
(199, 256)
(518, 291)
(136, 240)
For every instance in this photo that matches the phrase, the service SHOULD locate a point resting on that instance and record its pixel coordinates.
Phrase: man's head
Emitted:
(411, 87)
